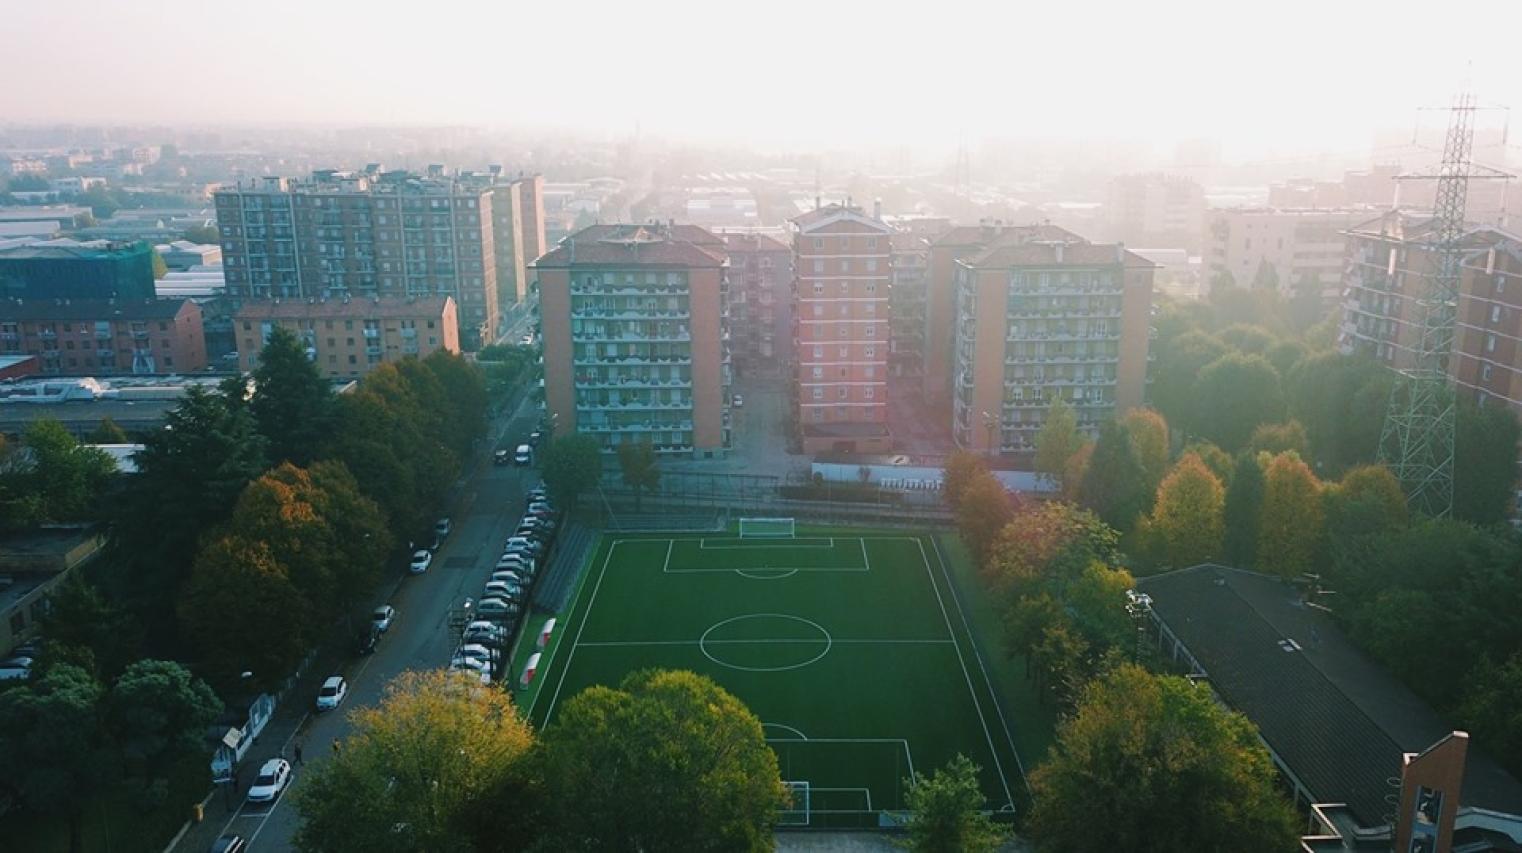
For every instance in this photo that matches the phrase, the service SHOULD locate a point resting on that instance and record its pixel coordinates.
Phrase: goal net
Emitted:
(797, 813)
(762, 528)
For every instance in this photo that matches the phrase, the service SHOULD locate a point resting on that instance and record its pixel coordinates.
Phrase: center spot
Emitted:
(765, 642)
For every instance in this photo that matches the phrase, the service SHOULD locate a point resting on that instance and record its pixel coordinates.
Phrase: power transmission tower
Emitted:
(1417, 439)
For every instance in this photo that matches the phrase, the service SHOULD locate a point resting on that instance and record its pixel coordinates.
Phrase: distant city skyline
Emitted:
(1300, 76)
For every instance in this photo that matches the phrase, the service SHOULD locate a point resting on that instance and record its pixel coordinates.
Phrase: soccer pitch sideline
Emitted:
(851, 648)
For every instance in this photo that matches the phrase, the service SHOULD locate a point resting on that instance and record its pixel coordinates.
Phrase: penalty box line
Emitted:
(903, 742)
(861, 541)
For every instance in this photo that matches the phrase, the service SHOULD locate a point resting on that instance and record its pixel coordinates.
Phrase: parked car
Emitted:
(477, 664)
(527, 340)
(481, 675)
(502, 589)
(15, 673)
(332, 693)
(477, 651)
(382, 617)
(502, 457)
(523, 543)
(494, 639)
(441, 528)
(366, 639)
(536, 437)
(229, 844)
(523, 456)
(498, 609)
(272, 780)
(510, 577)
(514, 561)
(421, 560)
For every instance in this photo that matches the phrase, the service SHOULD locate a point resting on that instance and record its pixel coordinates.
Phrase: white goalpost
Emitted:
(766, 528)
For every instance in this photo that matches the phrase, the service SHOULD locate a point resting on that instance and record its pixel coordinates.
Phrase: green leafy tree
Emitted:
(440, 764)
(1057, 441)
(238, 590)
(1148, 432)
(1247, 339)
(640, 468)
(1115, 484)
(948, 811)
(1273, 439)
(108, 432)
(982, 512)
(1152, 763)
(1484, 462)
(160, 269)
(667, 761)
(1179, 362)
(292, 402)
(1217, 460)
(1266, 278)
(64, 477)
(1291, 523)
(54, 747)
(1189, 518)
(465, 388)
(1285, 355)
(204, 235)
(79, 617)
(158, 712)
(1367, 503)
(1492, 708)
(1046, 545)
(1233, 395)
(572, 467)
(962, 467)
(1244, 506)
(1341, 400)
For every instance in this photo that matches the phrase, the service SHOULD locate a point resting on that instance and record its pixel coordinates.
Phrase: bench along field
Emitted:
(850, 648)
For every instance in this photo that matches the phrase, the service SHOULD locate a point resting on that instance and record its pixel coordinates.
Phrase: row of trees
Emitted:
(49, 477)
(1053, 567)
(68, 737)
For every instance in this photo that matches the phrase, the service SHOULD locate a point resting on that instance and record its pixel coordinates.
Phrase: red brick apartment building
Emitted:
(842, 276)
(102, 337)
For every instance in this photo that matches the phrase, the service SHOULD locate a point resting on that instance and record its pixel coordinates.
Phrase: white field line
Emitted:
(925, 558)
(706, 544)
(585, 617)
(908, 755)
(815, 640)
(999, 709)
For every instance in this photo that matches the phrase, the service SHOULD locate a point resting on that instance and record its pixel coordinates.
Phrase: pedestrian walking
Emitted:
(296, 750)
(335, 745)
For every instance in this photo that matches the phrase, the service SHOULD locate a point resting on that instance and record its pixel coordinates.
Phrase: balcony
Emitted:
(47, 334)
(631, 360)
(643, 426)
(373, 350)
(372, 334)
(631, 405)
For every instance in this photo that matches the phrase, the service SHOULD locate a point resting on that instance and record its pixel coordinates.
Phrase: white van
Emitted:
(523, 456)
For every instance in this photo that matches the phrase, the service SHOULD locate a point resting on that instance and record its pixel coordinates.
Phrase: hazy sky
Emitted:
(1260, 76)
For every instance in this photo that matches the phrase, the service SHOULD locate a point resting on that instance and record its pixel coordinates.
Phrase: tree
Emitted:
(62, 477)
(160, 269)
(427, 769)
(238, 590)
(54, 747)
(203, 234)
(947, 811)
(1291, 523)
(1179, 362)
(1484, 462)
(667, 761)
(465, 388)
(572, 466)
(1149, 439)
(157, 712)
(1114, 486)
(79, 617)
(1057, 441)
(639, 464)
(1367, 503)
(107, 432)
(1152, 763)
(1266, 278)
(1247, 339)
(983, 511)
(1074, 472)
(962, 467)
(1492, 708)
(1232, 396)
(1244, 505)
(1189, 518)
(292, 402)
(1047, 545)
(1341, 400)
(1284, 355)
(1217, 460)
(1274, 439)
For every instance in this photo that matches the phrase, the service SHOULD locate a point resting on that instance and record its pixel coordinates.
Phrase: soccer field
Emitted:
(852, 649)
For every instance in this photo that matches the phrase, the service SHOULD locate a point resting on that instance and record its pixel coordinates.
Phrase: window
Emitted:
(819, 242)
(871, 331)
(870, 371)
(819, 352)
(845, 352)
(1490, 343)
(351, 360)
(818, 393)
(819, 372)
(818, 310)
(844, 331)
(845, 265)
(871, 288)
(1485, 373)
(818, 289)
(1495, 313)
(843, 393)
(844, 373)
(871, 264)
(818, 266)
(869, 392)
(871, 309)
(871, 351)
(871, 242)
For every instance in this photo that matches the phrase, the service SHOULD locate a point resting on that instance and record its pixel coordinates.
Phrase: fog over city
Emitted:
(816, 426)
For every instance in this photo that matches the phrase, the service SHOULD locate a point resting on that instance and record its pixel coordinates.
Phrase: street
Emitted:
(489, 507)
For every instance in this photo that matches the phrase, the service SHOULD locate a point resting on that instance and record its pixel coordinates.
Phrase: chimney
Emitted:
(877, 209)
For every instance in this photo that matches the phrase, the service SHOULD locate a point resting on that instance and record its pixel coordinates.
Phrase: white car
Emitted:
(442, 527)
(421, 560)
(515, 561)
(382, 617)
(498, 608)
(332, 693)
(502, 589)
(509, 576)
(273, 777)
(523, 456)
(739, 402)
(476, 651)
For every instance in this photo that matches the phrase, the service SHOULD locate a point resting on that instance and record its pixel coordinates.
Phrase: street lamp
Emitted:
(1139, 608)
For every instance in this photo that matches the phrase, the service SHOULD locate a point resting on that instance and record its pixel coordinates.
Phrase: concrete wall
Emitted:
(559, 373)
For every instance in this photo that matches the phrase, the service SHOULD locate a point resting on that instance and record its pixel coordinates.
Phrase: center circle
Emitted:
(751, 640)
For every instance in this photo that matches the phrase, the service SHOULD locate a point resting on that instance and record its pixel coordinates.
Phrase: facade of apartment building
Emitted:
(760, 302)
(635, 337)
(1041, 319)
(1156, 210)
(1290, 248)
(940, 295)
(842, 274)
(69, 269)
(363, 235)
(101, 337)
(346, 338)
(911, 239)
(531, 193)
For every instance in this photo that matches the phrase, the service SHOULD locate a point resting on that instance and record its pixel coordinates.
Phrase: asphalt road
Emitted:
(488, 509)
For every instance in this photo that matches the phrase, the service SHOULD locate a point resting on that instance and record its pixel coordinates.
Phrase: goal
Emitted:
(798, 812)
(766, 528)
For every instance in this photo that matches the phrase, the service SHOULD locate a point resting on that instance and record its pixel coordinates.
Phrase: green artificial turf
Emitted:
(849, 646)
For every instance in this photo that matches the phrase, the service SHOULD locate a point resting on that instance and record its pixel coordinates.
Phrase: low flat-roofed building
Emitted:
(350, 337)
(183, 255)
(17, 366)
(31, 565)
(1340, 729)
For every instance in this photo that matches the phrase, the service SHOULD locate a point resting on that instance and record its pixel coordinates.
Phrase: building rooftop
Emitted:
(36, 212)
(1337, 720)
(90, 309)
(658, 244)
(64, 248)
(379, 308)
(1056, 254)
(753, 243)
(834, 212)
